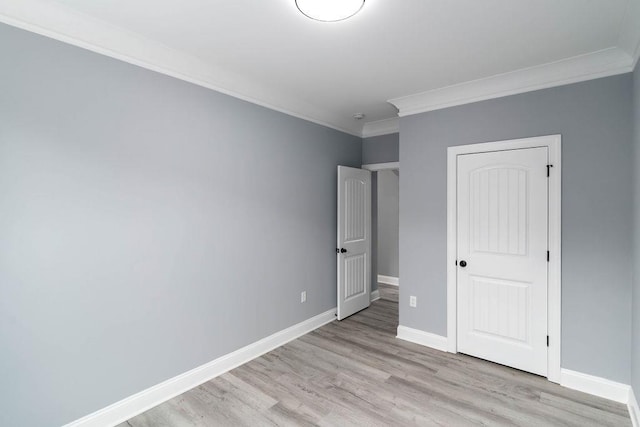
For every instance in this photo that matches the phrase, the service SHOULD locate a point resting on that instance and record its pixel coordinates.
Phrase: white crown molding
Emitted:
(634, 409)
(59, 22)
(381, 127)
(388, 280)
(594, 65)
(426, 339)
(131, 406)
(596, 386)
(62, 23)
(629, 38)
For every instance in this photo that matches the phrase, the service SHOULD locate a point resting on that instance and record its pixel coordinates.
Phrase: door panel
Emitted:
(354, 240)
(497, 309)
(355, 190)
(502, 236)
(355, 281)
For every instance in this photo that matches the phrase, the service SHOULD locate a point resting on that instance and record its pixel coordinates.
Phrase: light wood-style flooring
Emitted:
(389, 292)
(356, 373)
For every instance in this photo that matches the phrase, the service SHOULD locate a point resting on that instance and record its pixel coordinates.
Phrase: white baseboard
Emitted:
(388, 280)
(427, 339)
(375, 295)
(138, 403)
(595, 385)
(634, 409)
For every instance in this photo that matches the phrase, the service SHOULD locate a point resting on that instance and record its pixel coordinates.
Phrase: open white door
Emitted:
(354, 240)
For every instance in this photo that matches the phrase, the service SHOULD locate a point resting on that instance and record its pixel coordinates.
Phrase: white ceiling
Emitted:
(268, 52)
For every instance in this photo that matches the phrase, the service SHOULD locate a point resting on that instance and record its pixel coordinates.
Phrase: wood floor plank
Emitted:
(603, 417)
(355, 372)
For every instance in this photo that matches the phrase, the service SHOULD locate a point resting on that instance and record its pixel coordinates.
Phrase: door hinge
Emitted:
(547, 340)
(548, 256)
(548, 170)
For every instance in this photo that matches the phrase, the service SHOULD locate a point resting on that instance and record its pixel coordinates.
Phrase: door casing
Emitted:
(553, 143)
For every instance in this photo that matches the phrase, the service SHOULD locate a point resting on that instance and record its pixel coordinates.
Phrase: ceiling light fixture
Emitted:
(329, 10)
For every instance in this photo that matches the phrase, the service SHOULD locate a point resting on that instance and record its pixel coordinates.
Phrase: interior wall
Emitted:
(148, 226)
(596, 126)
(388, 211)
(635, 341)
(381, 149)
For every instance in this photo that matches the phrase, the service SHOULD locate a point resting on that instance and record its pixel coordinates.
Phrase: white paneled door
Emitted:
(502, 246)
(354, 240)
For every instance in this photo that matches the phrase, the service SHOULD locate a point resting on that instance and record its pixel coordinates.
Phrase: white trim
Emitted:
(634, 409)
(131, 406)
(381, 127)
(554, 278)
(427, 339)
(590, 66)
(67, 25)
(375, 167)
(553, 142)
(375, 295)
(388, 280)
(629, 37)
(595, 385)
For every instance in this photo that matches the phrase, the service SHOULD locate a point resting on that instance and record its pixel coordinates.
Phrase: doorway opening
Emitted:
(385, 282)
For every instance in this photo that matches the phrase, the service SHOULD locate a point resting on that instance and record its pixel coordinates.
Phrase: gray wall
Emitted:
(380, 149)
(148, 226)
(635, 342)
(595, 122)
(388, 210)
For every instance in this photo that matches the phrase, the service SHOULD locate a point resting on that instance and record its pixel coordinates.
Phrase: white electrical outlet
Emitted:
(413, 301)
(303, 296)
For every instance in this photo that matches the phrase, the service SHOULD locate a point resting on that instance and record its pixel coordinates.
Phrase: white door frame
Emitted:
(553, 143)
(375, 167)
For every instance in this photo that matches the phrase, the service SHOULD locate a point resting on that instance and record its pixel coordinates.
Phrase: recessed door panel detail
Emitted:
(355, 269)
(355, 226)
(498, 200)
(500, 309)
